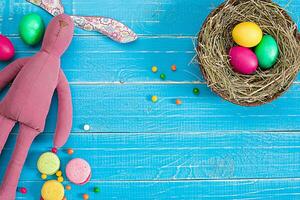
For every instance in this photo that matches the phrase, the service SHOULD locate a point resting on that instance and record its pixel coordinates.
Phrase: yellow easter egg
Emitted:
(247, 34)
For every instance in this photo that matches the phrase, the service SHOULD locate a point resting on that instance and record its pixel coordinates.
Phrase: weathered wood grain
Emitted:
(181, 190)
(147, 17)
(174, 156)
(128, 108)
(95, 59)
(204, 149)
(167, 39)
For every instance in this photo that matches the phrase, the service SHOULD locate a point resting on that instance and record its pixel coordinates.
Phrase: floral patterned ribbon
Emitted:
(107, 26)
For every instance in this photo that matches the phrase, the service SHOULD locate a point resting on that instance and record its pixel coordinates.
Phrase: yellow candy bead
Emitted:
(154, 99)
(59, 173)
(44, 176)
(60, 179)
(154, 69)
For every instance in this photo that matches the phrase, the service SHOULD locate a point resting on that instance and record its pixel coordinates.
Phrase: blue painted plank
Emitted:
(174, 156)
(144, 17)
(147, 17)
(96, 59)
(93, 59)
(181, 190)
(162, 141)
(128, 108)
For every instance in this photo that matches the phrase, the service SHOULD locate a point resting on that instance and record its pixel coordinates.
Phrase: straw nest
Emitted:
(215, 41)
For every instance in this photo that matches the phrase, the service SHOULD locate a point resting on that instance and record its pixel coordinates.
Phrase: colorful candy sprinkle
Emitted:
(196, 91)
(58, 173)
(173, 68)
(68, 187)
(44, 176)
(154, 99)
(70, 151)
(60, 179)
(85, 196)
(54, 150)
(96, 189)
(163, 76)
(154, 69)
(23, 190)
(178, 102)
(86, 127)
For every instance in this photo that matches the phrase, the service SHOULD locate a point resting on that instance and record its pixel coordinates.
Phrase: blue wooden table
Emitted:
(205, 148)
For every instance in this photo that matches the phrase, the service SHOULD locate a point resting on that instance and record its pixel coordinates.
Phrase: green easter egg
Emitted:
(267, 52)
(31, 29)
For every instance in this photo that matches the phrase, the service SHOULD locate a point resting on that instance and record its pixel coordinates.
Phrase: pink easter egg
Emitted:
(243, 60)
(7, 50)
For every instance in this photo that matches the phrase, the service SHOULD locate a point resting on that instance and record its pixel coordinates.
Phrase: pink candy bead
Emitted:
(23, 190)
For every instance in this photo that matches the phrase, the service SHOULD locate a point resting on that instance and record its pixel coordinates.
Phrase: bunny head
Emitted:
(58, 35)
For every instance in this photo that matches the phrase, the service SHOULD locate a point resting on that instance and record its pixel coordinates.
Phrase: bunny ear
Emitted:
(54, 7)
(107, 26)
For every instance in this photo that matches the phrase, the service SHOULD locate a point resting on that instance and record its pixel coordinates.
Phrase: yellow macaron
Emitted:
(52, 190)
(48, 163)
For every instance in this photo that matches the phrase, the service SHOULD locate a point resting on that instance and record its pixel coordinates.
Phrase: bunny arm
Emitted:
(64, 116)
(11, 71)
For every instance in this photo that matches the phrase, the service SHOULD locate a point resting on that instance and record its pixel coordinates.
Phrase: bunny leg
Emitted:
(14, 168)
(5, 127)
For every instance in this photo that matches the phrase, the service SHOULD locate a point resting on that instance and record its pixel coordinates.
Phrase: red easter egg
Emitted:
(243, 60)
(7, 50)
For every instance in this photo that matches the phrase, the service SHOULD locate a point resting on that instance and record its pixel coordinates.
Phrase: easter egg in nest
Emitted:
(215, 41)
(267, 52)
(243, 60)
(247, 34)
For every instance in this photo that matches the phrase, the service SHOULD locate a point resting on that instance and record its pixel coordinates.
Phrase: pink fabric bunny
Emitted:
(29, 98)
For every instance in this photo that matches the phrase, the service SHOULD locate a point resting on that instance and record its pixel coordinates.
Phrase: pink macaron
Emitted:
(78, 171)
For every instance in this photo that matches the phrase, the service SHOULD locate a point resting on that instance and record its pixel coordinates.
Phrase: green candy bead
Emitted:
(163, 76)
(267, 52)
(31, 29)
(196, 91)
(96, 190)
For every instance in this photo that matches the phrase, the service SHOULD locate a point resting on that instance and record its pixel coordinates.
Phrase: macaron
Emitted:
(78, 171)
(48, 163)
(52, 190)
